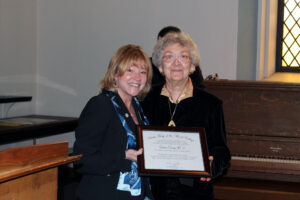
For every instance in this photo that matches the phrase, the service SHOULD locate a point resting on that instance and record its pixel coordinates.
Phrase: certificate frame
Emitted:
(160, 146)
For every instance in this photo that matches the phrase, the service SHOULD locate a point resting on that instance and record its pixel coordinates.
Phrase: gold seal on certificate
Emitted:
(173, 151)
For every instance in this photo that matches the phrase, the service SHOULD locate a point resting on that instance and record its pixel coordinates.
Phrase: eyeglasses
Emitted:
(171, 58)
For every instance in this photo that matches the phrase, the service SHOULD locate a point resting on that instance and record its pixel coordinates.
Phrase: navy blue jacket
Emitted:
(102, 139)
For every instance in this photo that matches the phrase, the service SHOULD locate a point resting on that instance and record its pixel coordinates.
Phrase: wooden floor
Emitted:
(225, 188)
(243, 189)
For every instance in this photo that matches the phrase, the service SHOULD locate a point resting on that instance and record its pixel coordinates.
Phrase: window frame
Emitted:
(279, 40)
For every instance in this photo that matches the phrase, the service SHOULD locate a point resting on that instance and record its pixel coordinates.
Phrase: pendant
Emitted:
(172, 123)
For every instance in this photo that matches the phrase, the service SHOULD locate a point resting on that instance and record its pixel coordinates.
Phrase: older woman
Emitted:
(179, 103)
(158, 78)
(107, 127)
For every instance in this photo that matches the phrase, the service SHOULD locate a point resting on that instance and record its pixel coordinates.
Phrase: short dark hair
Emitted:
(168, 29)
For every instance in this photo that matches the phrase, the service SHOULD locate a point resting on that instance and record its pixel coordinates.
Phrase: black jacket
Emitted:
(102, 139)
(201, 110)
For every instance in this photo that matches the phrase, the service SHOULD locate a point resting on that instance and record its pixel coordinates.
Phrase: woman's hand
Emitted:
(210, 158)
(132, 154)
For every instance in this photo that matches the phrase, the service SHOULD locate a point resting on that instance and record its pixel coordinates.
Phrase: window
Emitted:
(288, 36)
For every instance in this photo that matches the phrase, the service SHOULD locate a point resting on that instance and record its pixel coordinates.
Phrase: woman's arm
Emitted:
(218, 143)
(95, 123)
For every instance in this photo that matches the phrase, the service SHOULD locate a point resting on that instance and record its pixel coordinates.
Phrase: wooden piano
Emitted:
(263, 133)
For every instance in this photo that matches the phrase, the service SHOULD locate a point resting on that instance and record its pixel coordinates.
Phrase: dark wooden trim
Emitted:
(12, 99)
(279, 36)
(234, 188)
(260, 85)
(16, 133)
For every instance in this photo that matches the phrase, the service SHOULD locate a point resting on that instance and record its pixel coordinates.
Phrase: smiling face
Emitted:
(176, 63)
(132, 81)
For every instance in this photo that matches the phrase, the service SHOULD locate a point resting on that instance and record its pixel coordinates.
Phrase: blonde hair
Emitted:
(120, 62)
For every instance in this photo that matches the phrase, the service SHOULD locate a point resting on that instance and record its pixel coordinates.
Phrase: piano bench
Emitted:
(248, 189)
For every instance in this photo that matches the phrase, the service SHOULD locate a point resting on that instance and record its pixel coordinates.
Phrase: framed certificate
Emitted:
(173, 151)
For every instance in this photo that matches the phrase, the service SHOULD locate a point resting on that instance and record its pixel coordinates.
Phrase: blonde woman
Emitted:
(106, 131)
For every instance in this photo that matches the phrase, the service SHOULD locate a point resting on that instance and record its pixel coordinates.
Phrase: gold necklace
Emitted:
(172, 123)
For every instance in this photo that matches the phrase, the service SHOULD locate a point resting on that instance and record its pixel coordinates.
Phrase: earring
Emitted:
(193, 69)
(160, 70)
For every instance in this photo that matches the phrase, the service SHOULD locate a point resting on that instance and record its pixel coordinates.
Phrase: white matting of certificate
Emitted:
(168, 150)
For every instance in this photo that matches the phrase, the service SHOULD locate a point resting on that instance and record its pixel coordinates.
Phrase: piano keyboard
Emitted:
(270, 160)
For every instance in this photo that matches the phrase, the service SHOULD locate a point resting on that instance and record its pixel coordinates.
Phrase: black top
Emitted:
(12, 99)
(102, 139)
(201, 110)
(15, 129)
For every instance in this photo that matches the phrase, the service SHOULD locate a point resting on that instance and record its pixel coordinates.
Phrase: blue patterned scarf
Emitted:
(129, 181)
